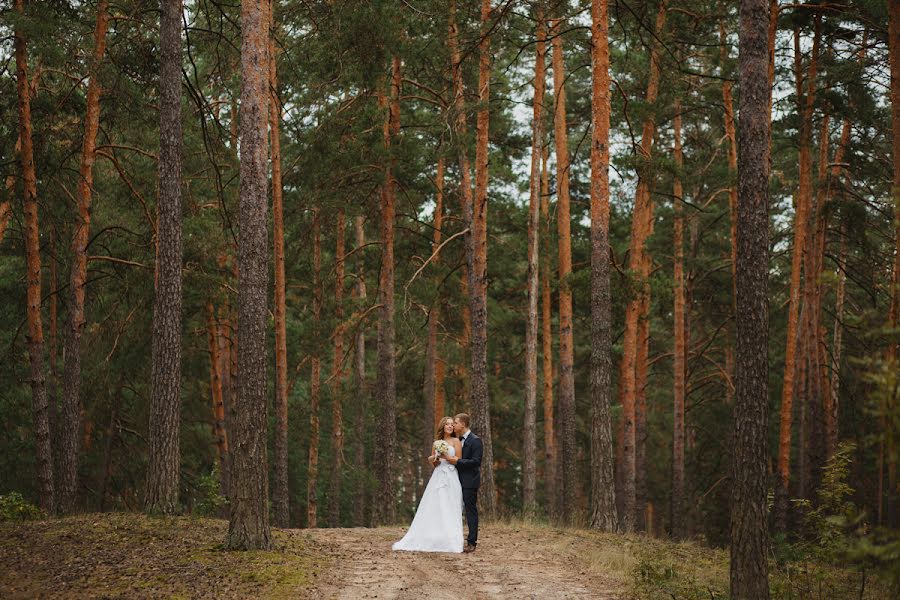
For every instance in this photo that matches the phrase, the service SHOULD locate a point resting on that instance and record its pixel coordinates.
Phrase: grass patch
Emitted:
(134, 555)
(650, 568)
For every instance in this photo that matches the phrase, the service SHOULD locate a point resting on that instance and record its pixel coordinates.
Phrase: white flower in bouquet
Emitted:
(441, 447)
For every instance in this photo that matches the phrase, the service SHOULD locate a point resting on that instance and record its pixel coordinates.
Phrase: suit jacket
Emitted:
(469, 466)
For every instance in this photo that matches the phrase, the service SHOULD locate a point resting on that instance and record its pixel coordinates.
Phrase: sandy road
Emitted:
(507, 564)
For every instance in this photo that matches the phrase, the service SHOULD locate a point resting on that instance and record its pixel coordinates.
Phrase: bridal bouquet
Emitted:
(441, 447)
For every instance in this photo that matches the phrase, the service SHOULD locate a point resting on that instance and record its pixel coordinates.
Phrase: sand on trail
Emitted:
(507, 564)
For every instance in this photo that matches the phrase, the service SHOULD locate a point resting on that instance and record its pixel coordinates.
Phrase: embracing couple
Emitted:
(456, 457)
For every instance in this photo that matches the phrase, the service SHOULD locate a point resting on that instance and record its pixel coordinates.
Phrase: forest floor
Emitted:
(127, 555)
(512, 561)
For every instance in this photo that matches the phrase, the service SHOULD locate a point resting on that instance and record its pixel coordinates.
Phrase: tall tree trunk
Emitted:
(749, 530)
(566, 339)
(810, 372)
(386, 381)
(640, 230)
(216, 396)
(434, 409)
(465, 180)
(280, 495)
(71, 431)
(680, 358)
(312, 471)
(728, 103)
(165, 392)
(248, 527)
(790, 361)
(529, 473)
(359, 381)
(43, 453)
(603, 499)
(551, 491)
(476, 250)
(894, 314)
(337, 379)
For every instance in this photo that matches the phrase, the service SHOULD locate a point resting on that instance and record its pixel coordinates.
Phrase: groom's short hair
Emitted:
(462, 418)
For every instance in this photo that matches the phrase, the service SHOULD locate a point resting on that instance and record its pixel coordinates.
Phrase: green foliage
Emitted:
(660, 575)
(14, 507)
(827, 521)
(838, 551)
(209, 501)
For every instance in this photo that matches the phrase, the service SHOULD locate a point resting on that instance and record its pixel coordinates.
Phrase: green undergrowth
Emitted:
(137, 556)
(652, 568)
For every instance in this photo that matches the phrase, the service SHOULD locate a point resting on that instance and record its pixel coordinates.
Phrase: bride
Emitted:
(437, 526)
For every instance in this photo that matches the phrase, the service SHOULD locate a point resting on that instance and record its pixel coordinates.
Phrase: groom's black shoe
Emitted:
(469, 548)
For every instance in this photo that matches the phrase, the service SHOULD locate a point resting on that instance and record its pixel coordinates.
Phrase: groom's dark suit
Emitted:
(469, 469)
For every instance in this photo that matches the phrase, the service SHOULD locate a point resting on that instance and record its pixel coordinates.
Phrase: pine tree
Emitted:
(749, 531)
(248, 526)
(165, 400)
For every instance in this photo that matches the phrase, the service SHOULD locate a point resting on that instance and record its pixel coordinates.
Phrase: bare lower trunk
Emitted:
(603, 501)
(71, 429)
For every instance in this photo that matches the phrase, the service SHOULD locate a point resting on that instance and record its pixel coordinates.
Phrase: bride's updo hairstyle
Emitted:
(440, 429)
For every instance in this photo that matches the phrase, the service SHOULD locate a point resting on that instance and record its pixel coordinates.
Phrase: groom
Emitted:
(468, 467)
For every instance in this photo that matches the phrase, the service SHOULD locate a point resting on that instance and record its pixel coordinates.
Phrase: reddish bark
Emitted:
(280, 496)
(216, 397)
(71, 403)
(248, 527)
(566, 337)
(386, 379)
(476, 256)
(39, 408)
(603, 502)
(640, 230)
(801, 208)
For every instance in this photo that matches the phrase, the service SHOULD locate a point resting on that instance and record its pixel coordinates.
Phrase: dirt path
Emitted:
(507, 564)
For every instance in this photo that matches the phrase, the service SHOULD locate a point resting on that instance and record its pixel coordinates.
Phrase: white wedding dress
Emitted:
(437, 526)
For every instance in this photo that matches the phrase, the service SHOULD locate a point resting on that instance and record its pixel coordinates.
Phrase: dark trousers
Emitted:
(470, 501)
